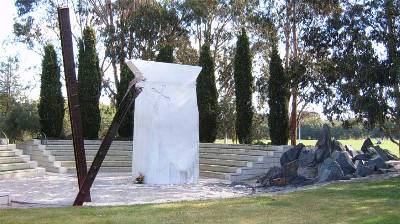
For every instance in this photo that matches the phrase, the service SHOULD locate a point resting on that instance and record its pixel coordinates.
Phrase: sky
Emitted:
(28, 74)
(30, 61)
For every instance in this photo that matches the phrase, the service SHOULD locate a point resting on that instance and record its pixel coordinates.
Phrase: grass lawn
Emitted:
(356, 143)
(363, 202)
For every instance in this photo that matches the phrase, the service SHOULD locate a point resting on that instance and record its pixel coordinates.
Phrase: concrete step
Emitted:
(90, 152)
(89, 147)
(87, 142)
(218, 168)
(91, 157)
(72, 170)
(236, 146)
(104, 164)
(235, 163)
(212, 174)
(8, 147)
(14, 166)
(237, 151)
(230, 157)
(7, 153)
(11, 159)
(13, 174)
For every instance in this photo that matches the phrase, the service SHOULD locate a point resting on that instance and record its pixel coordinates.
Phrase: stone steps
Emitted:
(238, 162)
(15, 165)
(230, 157)
(91, 153)
(88, 147)
(10, 159)
(58, 155)
(229, 162)
(72, 170)
(31, 172)
(104, 164)
(212, 174)
(4, 153)
(234, 163)
(91, 157)
(87, 142)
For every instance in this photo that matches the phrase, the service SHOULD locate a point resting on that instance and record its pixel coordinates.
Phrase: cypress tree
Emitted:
(89, 84)
(166, 54)
(51, 103)
(207, 96)
(243, 89)
(278, 94)
(126, 128)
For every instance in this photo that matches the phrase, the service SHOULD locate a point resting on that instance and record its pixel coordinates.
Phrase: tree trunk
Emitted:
(294, 92)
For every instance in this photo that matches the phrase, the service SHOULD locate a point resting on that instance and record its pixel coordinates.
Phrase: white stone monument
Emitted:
(166, 130)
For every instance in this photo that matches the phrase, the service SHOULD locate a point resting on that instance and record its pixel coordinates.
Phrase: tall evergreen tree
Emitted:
(166, 54)
(126, 128)
(89, 84)
(278, 93)
(51, 103)
(243, 89)
(207, 96)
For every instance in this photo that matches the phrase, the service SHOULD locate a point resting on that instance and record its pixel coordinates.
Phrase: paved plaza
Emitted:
(60, 190)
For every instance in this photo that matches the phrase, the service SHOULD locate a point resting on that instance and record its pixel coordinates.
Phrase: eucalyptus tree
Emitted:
(366, 79)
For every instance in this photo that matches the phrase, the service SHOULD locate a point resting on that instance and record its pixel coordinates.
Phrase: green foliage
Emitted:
(22, 121)
(107, 113)
(207, 97)
(51, 103)
(89, 84)
(243, 89)
(278, 93)
(166, 54)
(126, 128)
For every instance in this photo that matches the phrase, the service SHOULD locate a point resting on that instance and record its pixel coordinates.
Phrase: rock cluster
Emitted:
(329, 160)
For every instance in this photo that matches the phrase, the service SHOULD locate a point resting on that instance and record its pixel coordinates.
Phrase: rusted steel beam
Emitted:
(124, 106)
(72, 93)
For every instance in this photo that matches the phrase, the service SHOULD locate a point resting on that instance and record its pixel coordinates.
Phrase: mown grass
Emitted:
(355, 143)
(363, 202)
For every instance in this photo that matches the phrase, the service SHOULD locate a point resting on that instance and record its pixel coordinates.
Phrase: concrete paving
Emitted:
(58, 190)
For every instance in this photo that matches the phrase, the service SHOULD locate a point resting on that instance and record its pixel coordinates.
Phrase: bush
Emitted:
(22, 122)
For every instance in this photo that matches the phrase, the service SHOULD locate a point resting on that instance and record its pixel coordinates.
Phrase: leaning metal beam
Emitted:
(123, 108)
(72, 93)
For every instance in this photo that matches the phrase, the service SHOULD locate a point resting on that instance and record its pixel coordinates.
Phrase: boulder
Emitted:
(377, 163)
(307, 172)
(352, 152)
(367, 144)
(364, 170)
(337, 146)
(385, 154)
(361, 157)
(273, 173)
(371, 151)
(307, 157)
(344, 160)
(323, 144)
(289, 170)
(291, 155)
(329, 170)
